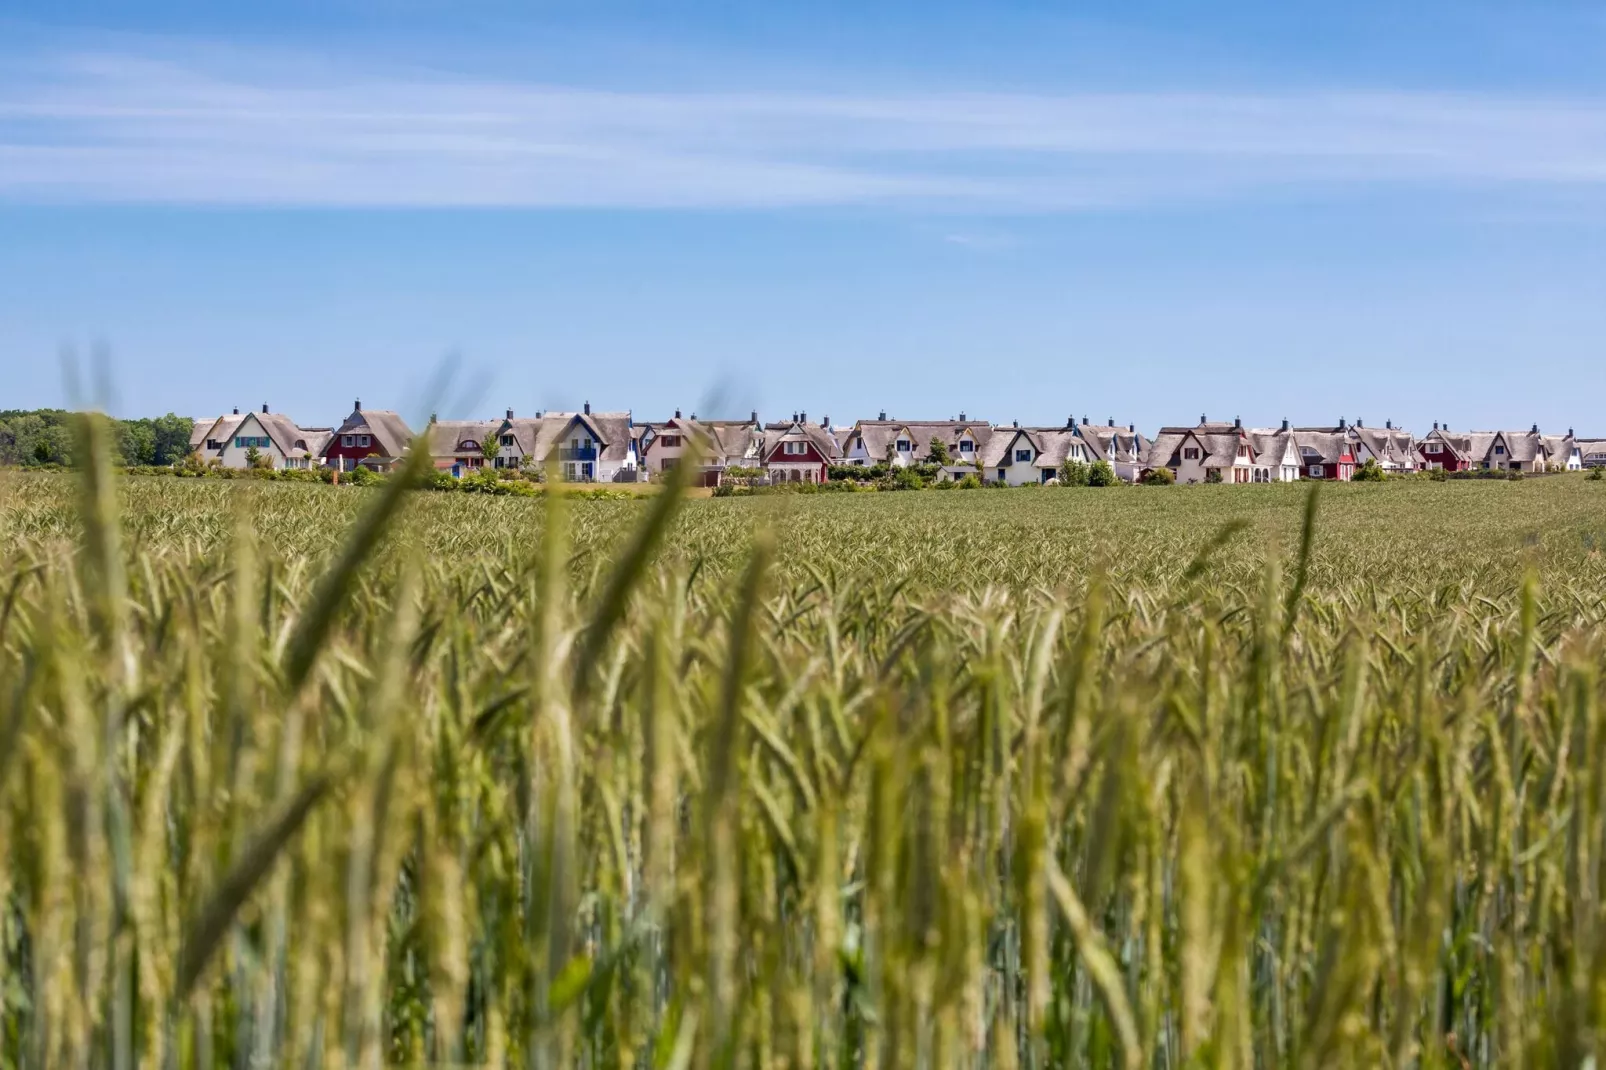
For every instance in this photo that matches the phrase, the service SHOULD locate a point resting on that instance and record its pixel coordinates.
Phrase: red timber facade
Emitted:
(1325, 452)
(1439, 449)
(372, 438)
(798, 452)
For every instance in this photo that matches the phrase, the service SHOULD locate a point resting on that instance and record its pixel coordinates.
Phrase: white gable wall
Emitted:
(233, 454)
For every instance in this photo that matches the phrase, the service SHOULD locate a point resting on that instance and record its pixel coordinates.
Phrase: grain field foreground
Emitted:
(1145, 777)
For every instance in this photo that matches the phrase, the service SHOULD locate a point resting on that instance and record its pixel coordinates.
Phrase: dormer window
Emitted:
(1499, 451)
(904, 445)
(1024, 456)
(966, 446)
(468, 444)
(1191, 453)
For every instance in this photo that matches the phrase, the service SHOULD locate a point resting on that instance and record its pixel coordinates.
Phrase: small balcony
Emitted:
(577, 453)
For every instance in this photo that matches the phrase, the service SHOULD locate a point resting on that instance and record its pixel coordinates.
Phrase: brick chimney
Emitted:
(1285, 423)
(588, 408)
(510, 414)
(265, 410)
(883, 415)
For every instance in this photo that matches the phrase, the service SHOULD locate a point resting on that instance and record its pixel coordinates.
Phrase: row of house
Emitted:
(590, 446)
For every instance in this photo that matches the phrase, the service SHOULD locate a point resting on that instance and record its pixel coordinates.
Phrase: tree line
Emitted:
(34, 437)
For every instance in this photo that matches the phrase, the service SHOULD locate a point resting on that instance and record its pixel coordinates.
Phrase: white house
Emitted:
(1193, 453)
(1276, 456)
(276, 440)
(1019, 455)
(902, 443)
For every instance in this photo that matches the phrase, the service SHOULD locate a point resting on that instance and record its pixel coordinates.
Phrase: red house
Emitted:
(1453, 453)
(1325, 452)
(373, 438)
(798, 452)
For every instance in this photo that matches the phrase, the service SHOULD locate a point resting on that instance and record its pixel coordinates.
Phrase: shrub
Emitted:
(1596, 475)
(326, 474)
(1074, 474)
(972, 482)
(363, 477)
(1369, 472)
(905, 479)
(1212, 475)
(1438, 475)
(1101, 474)
(1158, 477)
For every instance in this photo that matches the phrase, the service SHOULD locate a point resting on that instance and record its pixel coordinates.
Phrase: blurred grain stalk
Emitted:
(377, 807)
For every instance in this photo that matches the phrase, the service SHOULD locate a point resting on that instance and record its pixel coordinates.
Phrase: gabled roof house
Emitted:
(273, 438)
(907, 442)
(1019, 455)
(373, 438)
(798, 451)
(1194, 453)
(719, 444)
(1394, 448)
(1326, 452)
(1276, 456)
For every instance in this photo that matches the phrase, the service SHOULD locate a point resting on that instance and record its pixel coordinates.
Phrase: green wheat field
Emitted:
(306, 776)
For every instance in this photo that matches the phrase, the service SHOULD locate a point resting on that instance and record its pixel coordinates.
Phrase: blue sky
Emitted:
(1143, 210)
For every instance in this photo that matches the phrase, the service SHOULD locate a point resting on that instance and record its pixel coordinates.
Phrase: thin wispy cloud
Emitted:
(268, 129)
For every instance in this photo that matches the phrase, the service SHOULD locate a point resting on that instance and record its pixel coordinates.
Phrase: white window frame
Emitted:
(1318, 471)
(348, 440)
(967, 446)
(905, 446)
(1023, 456)
(1190, 453)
